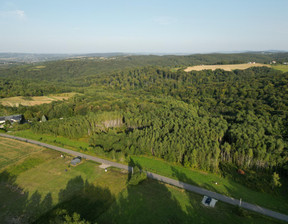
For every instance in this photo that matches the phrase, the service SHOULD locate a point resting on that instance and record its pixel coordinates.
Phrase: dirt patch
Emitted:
(224, 67)
(104, 166)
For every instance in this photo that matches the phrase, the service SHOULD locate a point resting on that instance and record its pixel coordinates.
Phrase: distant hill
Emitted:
(166, 59)
(13, 58)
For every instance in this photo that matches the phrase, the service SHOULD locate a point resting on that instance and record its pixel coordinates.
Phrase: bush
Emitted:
(241, 212)
(137, 177)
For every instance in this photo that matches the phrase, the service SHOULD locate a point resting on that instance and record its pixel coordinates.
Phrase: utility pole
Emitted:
(240, 202)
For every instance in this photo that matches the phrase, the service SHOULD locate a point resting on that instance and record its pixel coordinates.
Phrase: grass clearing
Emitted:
(39, 67)
(34, 100)
(44, 180)
(226, 186)
(224, 67)
(283, 68)
(41, 188)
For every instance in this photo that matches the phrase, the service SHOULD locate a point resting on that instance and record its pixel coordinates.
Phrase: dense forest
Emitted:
(140, 105)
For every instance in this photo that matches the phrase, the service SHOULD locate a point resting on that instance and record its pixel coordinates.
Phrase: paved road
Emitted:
(167, 180)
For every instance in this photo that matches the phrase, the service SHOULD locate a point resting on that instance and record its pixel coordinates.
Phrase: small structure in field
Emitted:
(75, 161)
(208, 201)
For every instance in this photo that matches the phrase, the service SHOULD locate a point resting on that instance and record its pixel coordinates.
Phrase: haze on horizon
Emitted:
(184, 26)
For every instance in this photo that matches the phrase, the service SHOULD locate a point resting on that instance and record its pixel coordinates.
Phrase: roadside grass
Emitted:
(226, 186)
(49, 183)
(55, 140)
(154, 202)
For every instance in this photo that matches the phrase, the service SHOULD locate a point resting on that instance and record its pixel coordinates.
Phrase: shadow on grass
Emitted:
(237, 213)
(18, 206)
(79, 196)
(148, 202)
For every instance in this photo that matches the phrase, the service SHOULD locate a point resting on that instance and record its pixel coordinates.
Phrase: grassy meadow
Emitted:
(11, 151)
(276, 201)
(283, 68)
(33, 188)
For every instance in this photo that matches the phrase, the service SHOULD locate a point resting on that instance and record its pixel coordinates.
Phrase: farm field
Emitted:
(39, 190)
(229, 67)
(226, 186)
(34, 100)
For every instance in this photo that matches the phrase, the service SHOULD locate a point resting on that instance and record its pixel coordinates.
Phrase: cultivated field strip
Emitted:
(224, 67)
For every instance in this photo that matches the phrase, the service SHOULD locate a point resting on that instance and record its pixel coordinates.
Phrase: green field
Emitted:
(40, 187)
(276, 201)
(153, 202)
(283, 68)
(11, 151)
(33, 191)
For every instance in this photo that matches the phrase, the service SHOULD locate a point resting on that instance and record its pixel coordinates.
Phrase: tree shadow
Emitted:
(19, 206)
(81, 197)
(148, 202)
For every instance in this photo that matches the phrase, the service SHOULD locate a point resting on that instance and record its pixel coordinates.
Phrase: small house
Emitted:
(12, 118)
(75, 161)
(208, 201)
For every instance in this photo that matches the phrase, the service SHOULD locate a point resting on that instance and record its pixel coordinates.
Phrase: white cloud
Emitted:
(18, 14)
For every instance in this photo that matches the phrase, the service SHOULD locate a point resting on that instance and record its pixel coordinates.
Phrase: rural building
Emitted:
(208, 201)
(75, 161)
(12, 118)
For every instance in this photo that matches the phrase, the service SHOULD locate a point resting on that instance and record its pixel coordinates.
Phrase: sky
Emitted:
(143, 26)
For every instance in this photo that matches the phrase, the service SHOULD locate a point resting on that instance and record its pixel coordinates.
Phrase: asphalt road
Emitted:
(167, 180)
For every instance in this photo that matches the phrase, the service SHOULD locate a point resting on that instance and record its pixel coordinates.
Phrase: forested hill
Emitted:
(67, 75)
(205, 120)
(86, 66)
